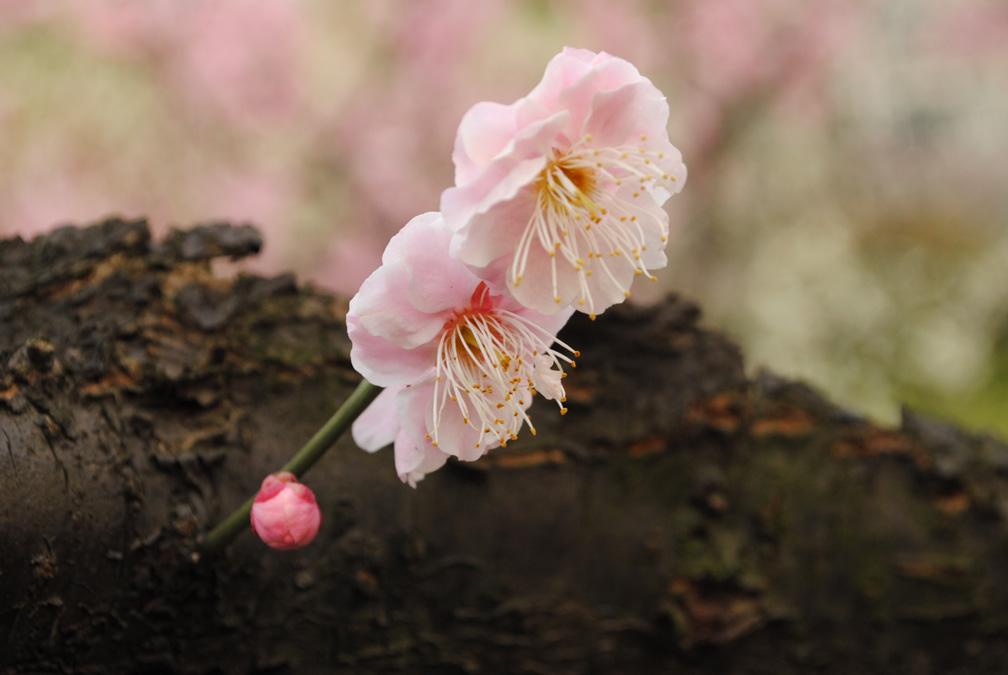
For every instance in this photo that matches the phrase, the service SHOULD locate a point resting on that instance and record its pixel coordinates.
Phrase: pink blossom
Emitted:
(461, 360)
(285, 514)
(562, 190)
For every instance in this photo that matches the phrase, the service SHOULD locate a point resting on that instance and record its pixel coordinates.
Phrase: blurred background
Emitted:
(845, 217)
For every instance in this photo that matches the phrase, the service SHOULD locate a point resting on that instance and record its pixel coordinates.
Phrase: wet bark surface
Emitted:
(682, 517)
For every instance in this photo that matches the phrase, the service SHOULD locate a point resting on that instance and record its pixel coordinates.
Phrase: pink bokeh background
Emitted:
(844, 218)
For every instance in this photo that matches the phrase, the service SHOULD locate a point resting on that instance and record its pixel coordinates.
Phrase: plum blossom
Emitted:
(460, 359)
(561, 192)
(285, 514)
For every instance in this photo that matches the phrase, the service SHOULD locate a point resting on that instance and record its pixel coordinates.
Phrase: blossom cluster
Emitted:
(556, 208)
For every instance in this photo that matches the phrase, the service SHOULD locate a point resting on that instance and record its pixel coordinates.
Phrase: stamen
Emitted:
(479, 349)
(577, 208)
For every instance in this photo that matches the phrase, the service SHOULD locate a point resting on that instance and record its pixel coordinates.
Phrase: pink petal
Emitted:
(383, 309)
(378, 425)
(536, 287)
(546, 379)
(621, 115)
(393, 250)
(437, 283)
(495, 233)
(513, 169)
(567, 67)
(550, 323)
(456, 438)
(609, 288)
(414, 453)
(607, 75)
(423, 459)
(384, 363)
(485, 130)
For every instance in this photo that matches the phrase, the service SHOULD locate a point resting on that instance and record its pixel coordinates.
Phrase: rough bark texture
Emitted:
(681, 518)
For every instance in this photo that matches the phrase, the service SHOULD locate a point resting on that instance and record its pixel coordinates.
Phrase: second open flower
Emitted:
(460, 358)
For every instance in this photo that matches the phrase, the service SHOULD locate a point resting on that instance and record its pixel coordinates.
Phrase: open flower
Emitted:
(285, 514)
(562, 191)
(460, 361)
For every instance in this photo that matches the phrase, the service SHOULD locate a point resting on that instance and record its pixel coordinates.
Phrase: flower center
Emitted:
(587, 211)
(490, 362)
(564, 179)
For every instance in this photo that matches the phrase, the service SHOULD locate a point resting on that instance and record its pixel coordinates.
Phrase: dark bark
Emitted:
(680, 518)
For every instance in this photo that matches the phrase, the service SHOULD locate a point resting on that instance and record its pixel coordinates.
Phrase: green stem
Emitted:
(237, 522)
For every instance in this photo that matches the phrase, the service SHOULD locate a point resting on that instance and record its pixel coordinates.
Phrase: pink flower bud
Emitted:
(285, 514)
